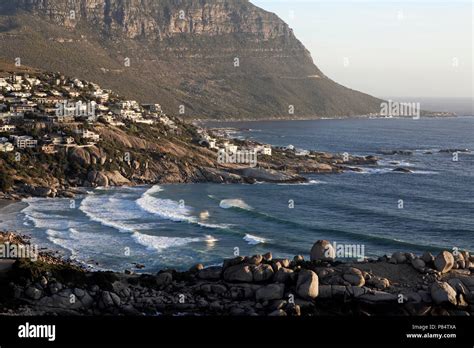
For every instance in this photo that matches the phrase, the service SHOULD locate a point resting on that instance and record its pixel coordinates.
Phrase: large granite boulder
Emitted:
(238, 273)
(442, 292)
(354, 277)
(444, 262)
(322, 250)
(262, 272)
(307, 284)
(270, 292)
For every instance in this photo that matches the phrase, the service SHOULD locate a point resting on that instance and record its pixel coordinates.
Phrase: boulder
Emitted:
(458, 285)
(218, 289)
(339, 291)
(398, 257)
(268, 257)
(210, 273)
(298, 259)
(307, 285)
(427, 257)
(116, 179)
(98, 179)
(232, 262)
(283, 275)
(42, 191)
(106, 299)
(444, 262)
(164, 278)
(270, 292)
(276, 265)
(325, 291)
(33, 293)
(262, 272)
(283, 262)
(459, 260)
(442, 292)
(357, 291)
(418, 264)
(196, 268)
(378, 296)
(255, 260)
(115, 299)
(238, 273)
(354, 277)
(379, 283)
(322, 250)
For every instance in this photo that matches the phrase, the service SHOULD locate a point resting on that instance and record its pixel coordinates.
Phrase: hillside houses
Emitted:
(34, 108)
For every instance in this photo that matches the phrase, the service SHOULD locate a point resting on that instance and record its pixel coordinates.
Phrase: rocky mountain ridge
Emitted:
(217, 59)
(153, 20)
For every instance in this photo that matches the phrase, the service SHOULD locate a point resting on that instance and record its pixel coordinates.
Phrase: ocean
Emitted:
(176, 226)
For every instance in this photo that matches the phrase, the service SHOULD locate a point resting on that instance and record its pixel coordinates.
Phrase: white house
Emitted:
(87, 134)
(301, 152)
(212, 143)
(7, 128)
(24, 141)
(267, 150)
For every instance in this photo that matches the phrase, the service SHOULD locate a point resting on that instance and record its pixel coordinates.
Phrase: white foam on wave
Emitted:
(159, 243)
(309, 183)
(171, 210)
(45, 213)
(62, 240)
(254, 240)
(396, 163)
(83, 246)
(111, 212)
(164, 208)
(424, 172)
(234, 203)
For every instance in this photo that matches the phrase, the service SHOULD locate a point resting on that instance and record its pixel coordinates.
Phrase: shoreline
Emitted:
(5, 203)
(401, 284)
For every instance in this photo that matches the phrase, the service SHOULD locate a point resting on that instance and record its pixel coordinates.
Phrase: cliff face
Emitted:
(153, 19)
(217, 58)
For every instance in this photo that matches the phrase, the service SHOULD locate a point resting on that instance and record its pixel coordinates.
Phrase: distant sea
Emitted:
(179, 225)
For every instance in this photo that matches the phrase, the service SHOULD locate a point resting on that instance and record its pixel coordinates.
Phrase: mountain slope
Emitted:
(180, 53)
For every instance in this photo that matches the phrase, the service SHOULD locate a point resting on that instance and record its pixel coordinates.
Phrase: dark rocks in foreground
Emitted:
(403, 284)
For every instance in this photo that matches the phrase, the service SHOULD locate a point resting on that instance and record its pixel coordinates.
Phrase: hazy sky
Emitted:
(386, 48)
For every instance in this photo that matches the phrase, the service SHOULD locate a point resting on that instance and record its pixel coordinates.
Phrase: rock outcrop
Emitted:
(241, 286)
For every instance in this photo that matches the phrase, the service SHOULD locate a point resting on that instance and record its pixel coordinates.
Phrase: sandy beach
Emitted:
(4, 203)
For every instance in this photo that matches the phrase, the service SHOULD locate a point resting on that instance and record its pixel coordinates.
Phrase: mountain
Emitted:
(112, 149)
(180, 53)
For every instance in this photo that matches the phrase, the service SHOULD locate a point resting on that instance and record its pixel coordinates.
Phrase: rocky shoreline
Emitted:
(260, 285)
(282, 167)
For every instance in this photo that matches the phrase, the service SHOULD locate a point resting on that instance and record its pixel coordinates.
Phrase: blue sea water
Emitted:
(178, 225)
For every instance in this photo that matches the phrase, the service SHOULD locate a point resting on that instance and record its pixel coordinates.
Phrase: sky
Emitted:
(386, 48)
